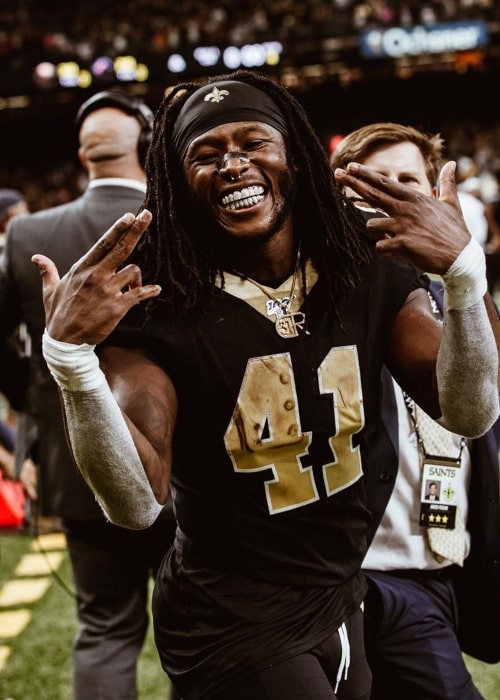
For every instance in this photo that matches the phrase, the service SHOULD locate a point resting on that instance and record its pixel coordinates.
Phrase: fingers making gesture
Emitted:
(96, 293)
(427, 232)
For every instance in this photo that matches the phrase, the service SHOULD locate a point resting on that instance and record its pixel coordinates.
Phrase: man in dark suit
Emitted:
(424, 608)
(111, 566)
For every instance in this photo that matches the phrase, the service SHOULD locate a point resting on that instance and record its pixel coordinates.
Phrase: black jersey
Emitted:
(268, 458)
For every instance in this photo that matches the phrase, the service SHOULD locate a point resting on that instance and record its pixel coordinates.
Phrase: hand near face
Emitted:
(425, 231)
(96, 293)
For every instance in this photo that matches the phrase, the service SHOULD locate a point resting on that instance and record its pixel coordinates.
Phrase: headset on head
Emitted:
(129, 105)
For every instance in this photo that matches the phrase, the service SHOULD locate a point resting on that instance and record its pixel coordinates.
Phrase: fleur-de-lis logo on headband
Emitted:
(216, 95)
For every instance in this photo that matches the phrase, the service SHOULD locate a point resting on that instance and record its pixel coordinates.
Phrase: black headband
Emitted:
(221, 103)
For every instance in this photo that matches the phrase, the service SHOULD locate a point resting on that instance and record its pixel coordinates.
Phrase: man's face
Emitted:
(402, 162)
(240, 175)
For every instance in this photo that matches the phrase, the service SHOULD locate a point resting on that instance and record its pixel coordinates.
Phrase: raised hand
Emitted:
(428, 232)
(96, 293)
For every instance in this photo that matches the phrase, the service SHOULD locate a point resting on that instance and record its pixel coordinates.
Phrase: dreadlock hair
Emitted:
(171, 253)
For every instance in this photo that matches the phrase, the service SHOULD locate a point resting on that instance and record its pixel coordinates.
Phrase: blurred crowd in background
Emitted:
(57, 29)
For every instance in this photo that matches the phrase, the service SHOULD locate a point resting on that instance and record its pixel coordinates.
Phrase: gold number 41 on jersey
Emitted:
(265, 430)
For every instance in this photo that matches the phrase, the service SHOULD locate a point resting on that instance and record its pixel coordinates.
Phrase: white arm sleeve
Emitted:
(100, 440)
(467, 363)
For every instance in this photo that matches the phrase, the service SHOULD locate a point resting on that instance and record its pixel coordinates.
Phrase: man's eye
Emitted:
(206, 158)
(254, 144)
(408, 179)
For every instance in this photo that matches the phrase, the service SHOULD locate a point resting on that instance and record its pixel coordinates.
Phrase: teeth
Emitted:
(243, 198)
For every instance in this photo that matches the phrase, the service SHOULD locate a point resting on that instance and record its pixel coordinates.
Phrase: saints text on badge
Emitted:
(442, 471)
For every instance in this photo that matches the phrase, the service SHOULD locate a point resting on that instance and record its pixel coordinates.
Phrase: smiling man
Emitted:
(248, 383)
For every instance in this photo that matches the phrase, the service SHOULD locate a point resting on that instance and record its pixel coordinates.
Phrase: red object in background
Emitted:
(334, 142)
(12, 502)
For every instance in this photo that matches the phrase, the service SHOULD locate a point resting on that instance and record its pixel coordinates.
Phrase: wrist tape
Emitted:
(465, 281)
(74, 367)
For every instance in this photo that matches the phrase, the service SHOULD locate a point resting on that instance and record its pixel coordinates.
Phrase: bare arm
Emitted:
(453, 375)
(412, 351)
(119, 421)
(148, 401)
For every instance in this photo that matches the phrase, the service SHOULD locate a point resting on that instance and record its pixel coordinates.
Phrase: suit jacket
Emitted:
(63, 233)
(478, 582)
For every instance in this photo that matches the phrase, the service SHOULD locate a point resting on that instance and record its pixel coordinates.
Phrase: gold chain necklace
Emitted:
(287, 323)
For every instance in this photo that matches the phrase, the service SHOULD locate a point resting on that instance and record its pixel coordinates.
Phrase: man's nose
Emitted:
(232, 164)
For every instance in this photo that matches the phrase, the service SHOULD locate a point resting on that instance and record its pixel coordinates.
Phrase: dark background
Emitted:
(457, 95)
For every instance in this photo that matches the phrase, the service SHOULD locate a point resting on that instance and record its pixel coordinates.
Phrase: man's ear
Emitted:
(83, 158)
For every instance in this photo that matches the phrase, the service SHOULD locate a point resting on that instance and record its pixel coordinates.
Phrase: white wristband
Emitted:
(74, 367)
(465, 281)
